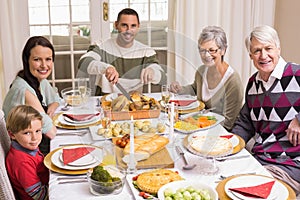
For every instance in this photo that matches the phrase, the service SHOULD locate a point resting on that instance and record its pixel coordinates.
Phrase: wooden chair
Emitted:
(6, 191)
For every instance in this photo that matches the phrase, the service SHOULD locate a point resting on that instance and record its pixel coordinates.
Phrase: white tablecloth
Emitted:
(81, 190)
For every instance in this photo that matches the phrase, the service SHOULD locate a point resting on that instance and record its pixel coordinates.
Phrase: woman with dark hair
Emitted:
(31, 86)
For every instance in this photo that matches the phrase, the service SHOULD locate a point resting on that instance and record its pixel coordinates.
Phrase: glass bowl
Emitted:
(73, 97)
(107, 188)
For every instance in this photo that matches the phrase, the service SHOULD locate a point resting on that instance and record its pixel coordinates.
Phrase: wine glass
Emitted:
(165, 94)
(165, 98)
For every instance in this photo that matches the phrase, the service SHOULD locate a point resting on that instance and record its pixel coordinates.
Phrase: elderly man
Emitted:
(271, 110)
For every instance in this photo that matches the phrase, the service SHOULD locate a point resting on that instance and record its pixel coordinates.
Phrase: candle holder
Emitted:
(171, 118)
(131, 165)
(132, 162)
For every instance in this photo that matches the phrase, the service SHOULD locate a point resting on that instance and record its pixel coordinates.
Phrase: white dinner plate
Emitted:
(67, 119)
(96, 136)
(221, 132)
(278, 192)
(97, 155)
(193, 105)
(88, 159)
(198, 185)
(63, 121)
(219, 118)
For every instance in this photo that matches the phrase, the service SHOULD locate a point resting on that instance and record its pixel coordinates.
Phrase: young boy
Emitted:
(24, 161)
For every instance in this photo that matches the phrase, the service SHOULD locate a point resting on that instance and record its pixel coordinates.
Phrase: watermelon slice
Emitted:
(258, 191)
(70, 155)
(80, 117)
(184, 102)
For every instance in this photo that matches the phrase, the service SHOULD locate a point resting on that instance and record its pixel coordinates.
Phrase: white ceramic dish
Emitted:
(219, 118)
(97, 155)
(278, 192)
(191, 106)
(62, 120)
(234, 139)
(95, 136)
(83, 161)
(186, 183)
(67, 119)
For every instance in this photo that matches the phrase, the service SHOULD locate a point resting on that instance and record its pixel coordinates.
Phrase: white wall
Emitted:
(287, 24)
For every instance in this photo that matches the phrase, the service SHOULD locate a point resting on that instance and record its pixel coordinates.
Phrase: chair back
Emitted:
(6, 190)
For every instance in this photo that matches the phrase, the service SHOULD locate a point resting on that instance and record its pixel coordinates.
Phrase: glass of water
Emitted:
(82, 86)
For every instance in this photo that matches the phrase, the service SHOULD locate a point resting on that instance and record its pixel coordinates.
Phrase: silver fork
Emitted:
(231, 158)
(224, 177)
(205, 111)
(72, 133)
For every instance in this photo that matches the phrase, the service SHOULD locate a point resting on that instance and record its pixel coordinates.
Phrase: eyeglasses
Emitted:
(210, 51)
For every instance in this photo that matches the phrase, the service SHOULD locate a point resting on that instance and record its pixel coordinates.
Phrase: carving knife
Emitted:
(124, 92)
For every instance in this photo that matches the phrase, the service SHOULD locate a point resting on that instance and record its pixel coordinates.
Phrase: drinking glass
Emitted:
(175, 114)
(82, 86)
(165, 93)
(165, 98)
(109, 157)
(106, 118)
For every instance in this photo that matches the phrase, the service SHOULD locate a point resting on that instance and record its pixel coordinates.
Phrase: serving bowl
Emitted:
(186, 188)
(110, 187)
(73, 97)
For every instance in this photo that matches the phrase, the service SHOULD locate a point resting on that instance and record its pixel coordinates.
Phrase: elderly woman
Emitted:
(31, 86)
(216, 83)
(271, 109)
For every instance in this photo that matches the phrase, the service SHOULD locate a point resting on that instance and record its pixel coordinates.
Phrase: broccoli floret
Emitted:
(100, 174)
(114, 179)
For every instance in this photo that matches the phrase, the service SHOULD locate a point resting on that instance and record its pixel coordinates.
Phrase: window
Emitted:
(67, 24)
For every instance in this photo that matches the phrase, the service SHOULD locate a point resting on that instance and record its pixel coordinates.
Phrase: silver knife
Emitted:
(124, 92)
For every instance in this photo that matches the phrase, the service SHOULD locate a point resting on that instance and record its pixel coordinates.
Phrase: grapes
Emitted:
(187, 193)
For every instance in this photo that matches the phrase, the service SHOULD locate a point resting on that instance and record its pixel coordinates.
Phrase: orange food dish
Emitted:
(201, 121)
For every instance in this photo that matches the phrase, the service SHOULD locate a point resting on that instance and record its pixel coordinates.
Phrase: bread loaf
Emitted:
(148, 143)
(119, 103)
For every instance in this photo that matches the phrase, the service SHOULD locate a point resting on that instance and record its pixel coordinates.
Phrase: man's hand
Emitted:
(112, 75)
(147, 75)
(293, 132)
(175, 87)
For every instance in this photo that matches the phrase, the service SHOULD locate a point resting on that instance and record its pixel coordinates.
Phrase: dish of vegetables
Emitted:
(197, 121)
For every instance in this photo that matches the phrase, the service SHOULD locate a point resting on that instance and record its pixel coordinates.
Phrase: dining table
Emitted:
(245, 163)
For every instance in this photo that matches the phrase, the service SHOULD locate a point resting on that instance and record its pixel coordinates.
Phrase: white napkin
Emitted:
(128, 84)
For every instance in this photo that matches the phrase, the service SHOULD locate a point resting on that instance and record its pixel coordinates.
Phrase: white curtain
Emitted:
(237, 18)
(14, 31)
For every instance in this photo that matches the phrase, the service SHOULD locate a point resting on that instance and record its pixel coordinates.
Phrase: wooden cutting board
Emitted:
(160, 159)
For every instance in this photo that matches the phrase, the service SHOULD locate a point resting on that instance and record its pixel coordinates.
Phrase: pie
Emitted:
(152, 181)
(208, 145)
(258, 191)
(70, 155)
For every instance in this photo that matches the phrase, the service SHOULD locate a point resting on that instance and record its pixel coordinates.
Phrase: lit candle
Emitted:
(171, 123)
(149, 87)
(131, 137)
